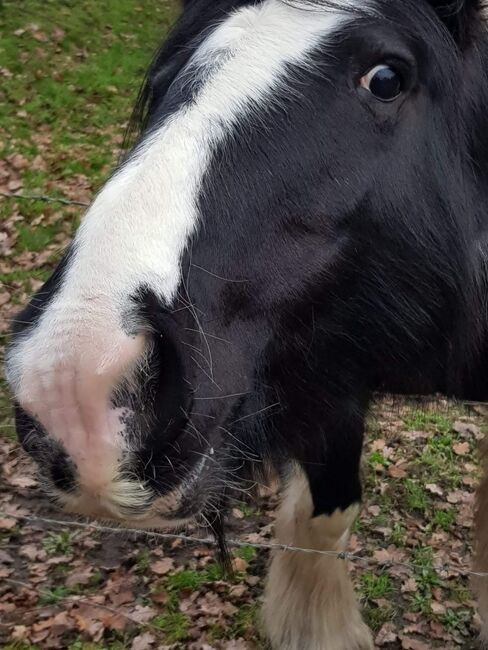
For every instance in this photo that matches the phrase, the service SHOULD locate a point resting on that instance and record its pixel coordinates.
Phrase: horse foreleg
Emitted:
(309, 599)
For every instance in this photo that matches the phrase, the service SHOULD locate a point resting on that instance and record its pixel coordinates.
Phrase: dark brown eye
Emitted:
(384, 82)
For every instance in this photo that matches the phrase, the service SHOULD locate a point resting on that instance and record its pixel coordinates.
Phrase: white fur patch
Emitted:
(64, 370)
(309, 599)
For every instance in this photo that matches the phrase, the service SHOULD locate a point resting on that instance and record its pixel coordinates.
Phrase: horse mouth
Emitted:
(133, 503)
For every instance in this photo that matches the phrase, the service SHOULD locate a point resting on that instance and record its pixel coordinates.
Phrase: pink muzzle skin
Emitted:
(71, 398)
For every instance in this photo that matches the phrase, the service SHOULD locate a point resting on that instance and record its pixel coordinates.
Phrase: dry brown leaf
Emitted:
(143, 614)
(397, 472)
(433, 488)
(239, 565)
(143, 641)
(162, 567)
(387, 634)
(79, 577)
(414, 644)
(461, 448)
(437, 608)
(409, 586)
(467, 430)
(121, 597)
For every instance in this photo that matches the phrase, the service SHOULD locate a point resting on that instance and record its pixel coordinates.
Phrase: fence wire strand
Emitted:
(44, 198)
(236, 543)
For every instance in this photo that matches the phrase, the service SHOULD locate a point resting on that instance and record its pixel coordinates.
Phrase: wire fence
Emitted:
(442, 568)
(43, 198)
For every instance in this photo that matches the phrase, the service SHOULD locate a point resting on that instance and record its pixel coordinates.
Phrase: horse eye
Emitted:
(384, 82)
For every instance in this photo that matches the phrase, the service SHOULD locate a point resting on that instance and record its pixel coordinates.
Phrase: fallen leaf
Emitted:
(143, 641)
(437, 608)
(461, 448)
(397, 472)
(409, 586)
(162, 567)
(19, 632)
(386, 635)
(434, 489)
(467, 429)
(143, 614)
(414, 644)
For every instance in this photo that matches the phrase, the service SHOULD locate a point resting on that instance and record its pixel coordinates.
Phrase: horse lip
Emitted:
(193, 494)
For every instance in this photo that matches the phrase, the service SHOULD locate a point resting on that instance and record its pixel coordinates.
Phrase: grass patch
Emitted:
(143, 561)
(245, 621)
(247, 509)
(456, 619)
(35, 239)
(444, 519)
(398, 535)
(376, 617)
(174, 626)
(191, 579)
(247, 553)
(428, 421)
(415, 496)
(426, 578)
(7, 426)
(376, 458)
(375, 586)
(54, 595)
(58, 543)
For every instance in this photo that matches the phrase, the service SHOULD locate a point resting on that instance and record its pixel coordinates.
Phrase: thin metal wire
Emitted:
(42, 197)
(236, 543)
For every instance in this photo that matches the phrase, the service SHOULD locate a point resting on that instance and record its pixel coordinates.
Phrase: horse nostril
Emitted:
(51, 458)
(62, 473)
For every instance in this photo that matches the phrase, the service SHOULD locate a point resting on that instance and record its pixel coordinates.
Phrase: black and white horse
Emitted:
(301, 222)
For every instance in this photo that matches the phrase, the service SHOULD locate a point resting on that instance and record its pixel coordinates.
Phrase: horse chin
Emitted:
(157, 518)
(134, 505)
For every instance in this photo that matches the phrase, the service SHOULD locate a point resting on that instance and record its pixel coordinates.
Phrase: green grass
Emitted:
(428, 421)
(415, 496)
(247, 553)
(81, 82)
(143, 561)
(7, 428)
(426, 578)
(56, 595)
(191, 579)
(375, 585)
(377, 458)
(58, 543)
(174, 626)
(72, 80)
(444, 519)
(71, 85)
(245, 621)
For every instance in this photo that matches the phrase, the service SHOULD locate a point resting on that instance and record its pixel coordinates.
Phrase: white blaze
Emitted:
(136, 232)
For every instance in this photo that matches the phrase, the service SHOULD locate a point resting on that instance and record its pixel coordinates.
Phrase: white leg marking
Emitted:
(309, 599)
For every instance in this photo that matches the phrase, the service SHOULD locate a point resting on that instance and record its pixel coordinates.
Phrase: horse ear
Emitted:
(459, 16)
